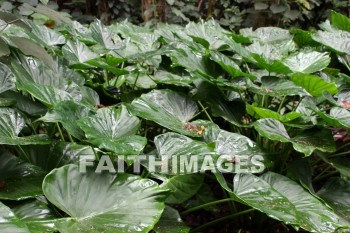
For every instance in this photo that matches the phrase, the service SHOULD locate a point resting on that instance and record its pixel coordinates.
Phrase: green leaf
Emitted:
(9, 222)
(179, 154)
(164, 77)
(336, 192)
(140, 80)
(229, 65)
(305, 142)
(104, 202)
(233, 149)
(102, 35)
(7, 78)
(170, 222)
(270, 35)
(283, 199)
(168, 109)
(77, 52)
(45, 35)
(37, 216)
(312, 214)
(269, 56)
(44, 10)
(103, 64)
(275, 86)
(302, 171)
(303, 38)
(313, 84)
(67, 113)
(267, 113)
(340, 21)
(192, 61)
(6, 102)
(231, 111)
(310, 140)
(337, 117)
(113, 129)
(183, 187)
(58, 154)
(11, 124)
(341, 164)
(307, 61)
(9, 17)
(272, 129)
(21, 180)
(29, 48)
(4, 48)
(336, 40)
(49, 95)
(206, 33)
(24, 103)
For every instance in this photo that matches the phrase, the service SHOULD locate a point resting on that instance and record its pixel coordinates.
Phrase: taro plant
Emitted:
(252, 127)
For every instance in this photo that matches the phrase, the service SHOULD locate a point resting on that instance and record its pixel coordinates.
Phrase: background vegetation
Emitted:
(232, 14)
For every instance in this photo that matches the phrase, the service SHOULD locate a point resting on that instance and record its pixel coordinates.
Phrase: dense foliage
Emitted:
(75, 92)
(231, 14)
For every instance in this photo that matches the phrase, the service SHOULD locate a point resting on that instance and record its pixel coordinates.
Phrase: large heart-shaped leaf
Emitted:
(48, 95)
(165, 77)
(24, 103)
(29, 48)
(232, 111)
(180, 155)
(45, 35)
(312, 214)
(313, 84)
(37, 216)
(336, 192)
(167, 108)
(269, 56)
(77, 52)
(11, 124)
(21, 180)
(6, 78)
(183, 187)
(102, 35)
(229, 65)
(340, 21)
(9, 222)
(104, 202)
(206, 33)
(270, 35)
(267, 113)
(307, 61)
(275, 86)
(58, 154)
(337, 116)
(67, 113)
(285, 200)
(305, 142)
(114, 129)
(236, 149)
(337, 40)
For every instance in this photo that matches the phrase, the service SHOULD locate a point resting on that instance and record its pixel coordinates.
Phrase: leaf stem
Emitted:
(70, 137)
(205, 111)
(23, 153)
(205, 205)
(60, 131)
(339, 154)
(343, 146)
(281, 104)
(221, 220)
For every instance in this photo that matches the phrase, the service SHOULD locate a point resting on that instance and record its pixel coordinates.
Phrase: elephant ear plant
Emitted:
(124, 128)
